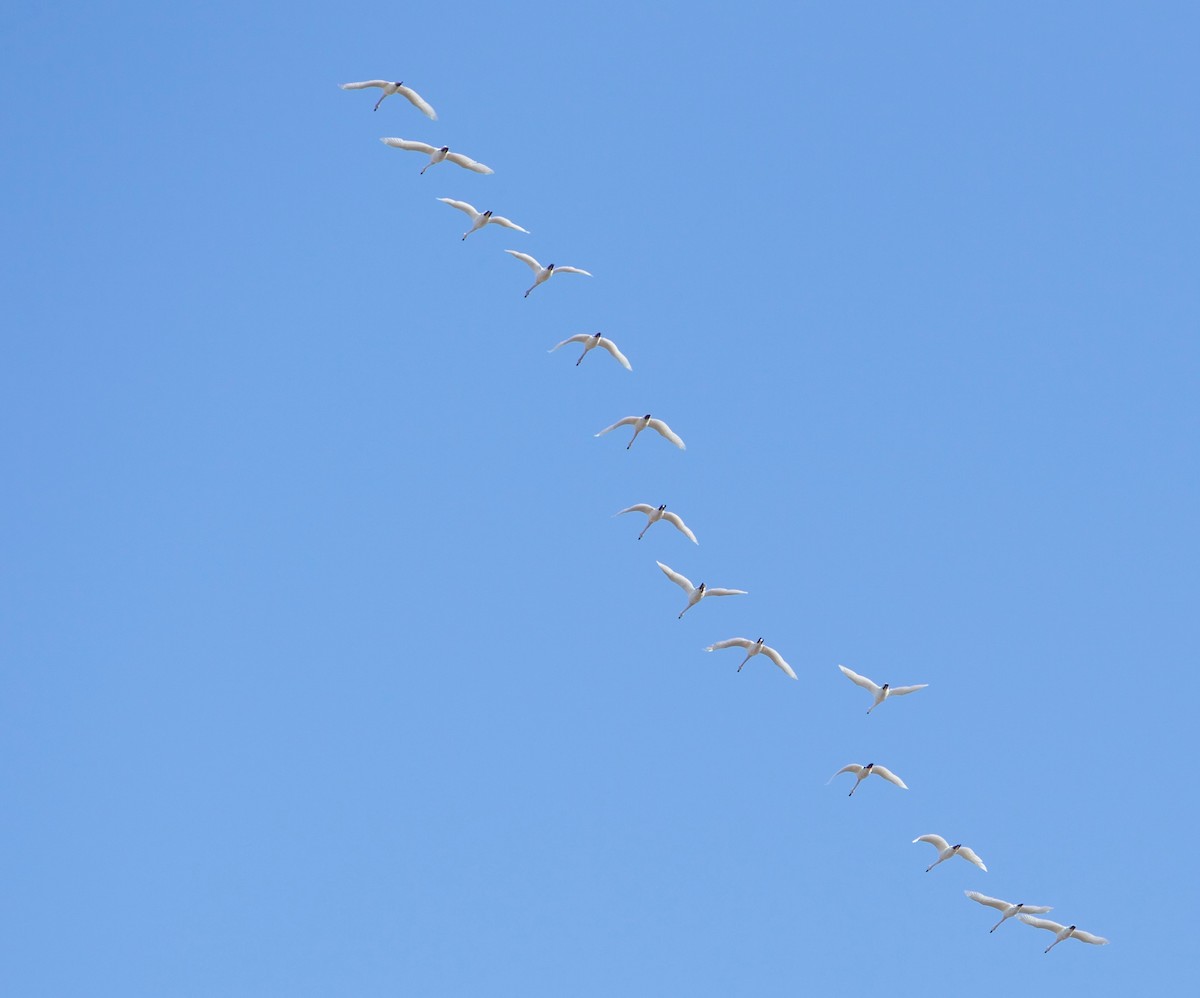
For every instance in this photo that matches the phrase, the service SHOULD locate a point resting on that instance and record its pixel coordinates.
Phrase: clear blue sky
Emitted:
(327, 671)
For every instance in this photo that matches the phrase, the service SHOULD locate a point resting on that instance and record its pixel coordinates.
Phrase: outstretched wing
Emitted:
(862, 681)
(939, 843)
(461, 206)
(899, 691)
(365, 83)
(666, 431)
(577, 338)
(775, 657)
(627, 421)
(1087, 937)
(971, 856)
(854, 768)
(410, 145)
(888, 775)
(467, 163)
(611, 347)
(567, 270)
(990, 902)
(1037, 909)
(677, 522)
(682, 581)
(641, 507)
(508, 223)
(417, 101)
(731, 643)
(725, 592)
(526, 259)
(1041, 923)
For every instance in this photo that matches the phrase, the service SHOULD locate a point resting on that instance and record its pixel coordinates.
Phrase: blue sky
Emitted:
(326, 669)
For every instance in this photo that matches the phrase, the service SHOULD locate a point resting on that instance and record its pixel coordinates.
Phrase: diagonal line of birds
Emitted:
(697, 593)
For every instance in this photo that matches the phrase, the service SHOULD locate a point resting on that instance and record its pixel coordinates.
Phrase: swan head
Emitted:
(700, 588)
(884, 686)
(662, 507)
(487, 214)
(444, 149)
(869, 765)
(647, 416)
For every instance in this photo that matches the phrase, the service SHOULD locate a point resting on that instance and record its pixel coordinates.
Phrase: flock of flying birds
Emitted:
(439, 154)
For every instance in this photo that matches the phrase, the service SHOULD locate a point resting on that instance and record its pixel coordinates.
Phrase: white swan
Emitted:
(543, 274)
(654, 514)
(880, 693)
(437, 154)
(695, 593)
(1007, 907)
(1062, 932)
(417, 101)
(753, 648)
(590, 341)
(481, 218)
(862, 772)
(947, 851)
(640, 423)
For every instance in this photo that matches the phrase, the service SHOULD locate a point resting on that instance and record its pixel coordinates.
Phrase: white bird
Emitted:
(1007, 907)
(862, 772)
(417, 101)
(753, 648)
(543, 273)
(1062, 932)
(880, 693)
(695, 593)
(947, 851)
(481, 218)
(590, 342)
(654, 514)
(640, 423)
(437, 154)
